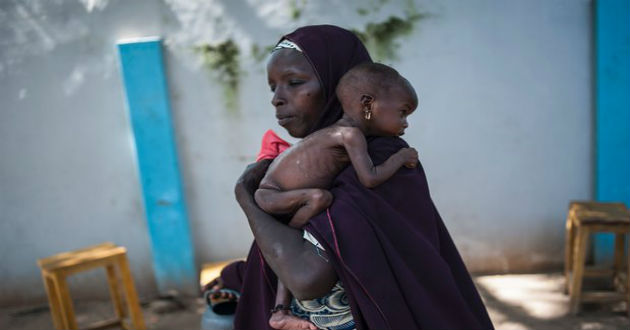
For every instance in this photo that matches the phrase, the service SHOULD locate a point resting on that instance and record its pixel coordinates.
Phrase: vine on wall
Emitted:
(296, 8)
(260, 53)
(222, 60)
(382, 40)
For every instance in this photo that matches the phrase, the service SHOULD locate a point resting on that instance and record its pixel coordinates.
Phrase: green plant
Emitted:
(295, 10)
(222, 60)
(381, 39)
(260, 53)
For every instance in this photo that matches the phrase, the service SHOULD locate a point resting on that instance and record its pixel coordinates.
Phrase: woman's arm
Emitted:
(296, 262)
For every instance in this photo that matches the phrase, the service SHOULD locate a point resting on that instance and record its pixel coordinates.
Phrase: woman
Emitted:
(387, 246)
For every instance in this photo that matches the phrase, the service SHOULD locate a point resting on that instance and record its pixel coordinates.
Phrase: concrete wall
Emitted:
(504, 126)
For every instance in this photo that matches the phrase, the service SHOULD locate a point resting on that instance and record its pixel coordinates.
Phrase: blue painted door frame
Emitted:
(612, 38)
(145, 84)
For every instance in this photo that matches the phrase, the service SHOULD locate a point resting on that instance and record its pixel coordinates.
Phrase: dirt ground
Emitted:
(531, 301)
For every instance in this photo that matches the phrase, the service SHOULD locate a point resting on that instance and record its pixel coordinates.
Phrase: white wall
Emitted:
(505, 129)
(504, 126)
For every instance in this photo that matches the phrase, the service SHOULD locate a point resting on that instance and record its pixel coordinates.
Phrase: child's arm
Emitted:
(370, 175)
(303, 203)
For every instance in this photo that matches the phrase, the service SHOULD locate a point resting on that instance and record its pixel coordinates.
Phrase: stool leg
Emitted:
(618, 261)
(65, 301)
(114, 291)
(53, 301)
(568, 252)
(620, 240)
(130, 293)
(579, 254)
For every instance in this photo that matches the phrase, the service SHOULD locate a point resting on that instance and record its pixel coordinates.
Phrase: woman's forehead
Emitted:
(288, 60)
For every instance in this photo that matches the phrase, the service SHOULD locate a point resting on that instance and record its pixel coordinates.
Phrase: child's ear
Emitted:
(366, 101)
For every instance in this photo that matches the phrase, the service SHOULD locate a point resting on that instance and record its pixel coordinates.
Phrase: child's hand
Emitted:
(409, 156)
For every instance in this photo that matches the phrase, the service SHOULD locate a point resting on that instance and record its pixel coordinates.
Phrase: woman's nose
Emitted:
(277, 99)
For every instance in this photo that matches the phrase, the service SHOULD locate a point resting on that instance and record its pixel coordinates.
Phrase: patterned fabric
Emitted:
(285, 43)
(331, 312)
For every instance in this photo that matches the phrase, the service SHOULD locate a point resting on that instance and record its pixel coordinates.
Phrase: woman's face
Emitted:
(297, 94)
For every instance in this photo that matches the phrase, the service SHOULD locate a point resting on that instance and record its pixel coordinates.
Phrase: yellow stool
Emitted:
(583, 219)
(56, 268)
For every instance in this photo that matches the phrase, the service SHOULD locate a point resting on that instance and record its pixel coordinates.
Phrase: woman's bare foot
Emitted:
(284, 320)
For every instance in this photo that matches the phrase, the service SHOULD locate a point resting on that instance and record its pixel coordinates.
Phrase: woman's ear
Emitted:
(366, 101)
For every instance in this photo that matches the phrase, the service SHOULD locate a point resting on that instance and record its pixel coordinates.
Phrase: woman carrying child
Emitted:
(387, 246)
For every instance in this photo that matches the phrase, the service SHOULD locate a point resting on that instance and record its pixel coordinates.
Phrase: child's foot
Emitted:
(283, 320)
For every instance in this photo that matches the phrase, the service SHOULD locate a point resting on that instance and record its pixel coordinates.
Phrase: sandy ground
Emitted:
(531, 301)
(537, 301)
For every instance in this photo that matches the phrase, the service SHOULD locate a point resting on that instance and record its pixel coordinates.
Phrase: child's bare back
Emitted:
(311, 163)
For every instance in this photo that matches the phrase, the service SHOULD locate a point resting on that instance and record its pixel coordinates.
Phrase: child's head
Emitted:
(377, 96)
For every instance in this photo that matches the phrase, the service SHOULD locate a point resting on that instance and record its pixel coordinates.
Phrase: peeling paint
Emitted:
(47, 154)
(206, 27)
(203, 22)
(90, 5)
(28, 30)
(22, 94)
(74, 81)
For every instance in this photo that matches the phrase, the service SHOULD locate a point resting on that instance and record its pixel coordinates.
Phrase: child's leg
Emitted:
(283, 319)
(283, 295)
(306, 203)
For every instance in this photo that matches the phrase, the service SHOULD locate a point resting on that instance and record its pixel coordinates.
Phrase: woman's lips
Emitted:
(283, 121)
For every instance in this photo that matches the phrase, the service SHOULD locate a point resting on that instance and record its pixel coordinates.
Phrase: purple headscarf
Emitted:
(332, 51)
(388, 245)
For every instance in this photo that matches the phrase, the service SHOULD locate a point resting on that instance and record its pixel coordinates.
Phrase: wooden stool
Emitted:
(56, 268)
(583, 219)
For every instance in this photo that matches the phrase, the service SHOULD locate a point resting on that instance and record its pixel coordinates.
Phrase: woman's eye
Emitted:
(272, 88)
(295, 82)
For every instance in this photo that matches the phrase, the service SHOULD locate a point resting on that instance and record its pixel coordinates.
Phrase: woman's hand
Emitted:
(248, 182)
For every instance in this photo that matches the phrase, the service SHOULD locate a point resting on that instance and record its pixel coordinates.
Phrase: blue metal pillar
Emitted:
(145, 84)
(612, 37)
